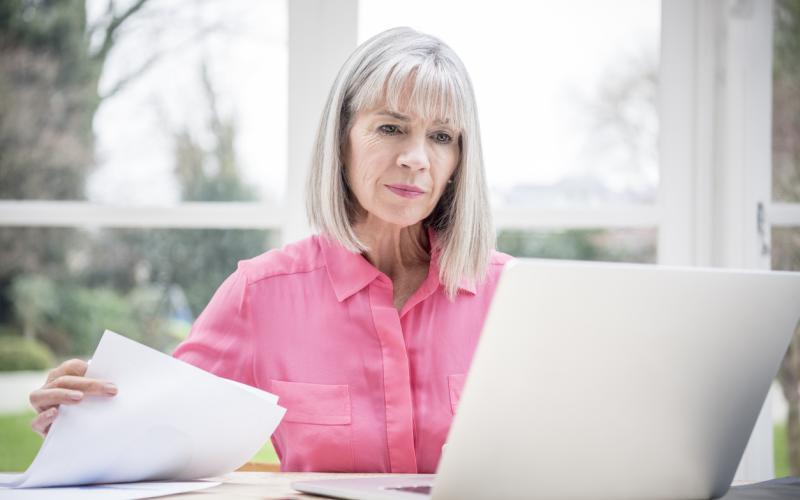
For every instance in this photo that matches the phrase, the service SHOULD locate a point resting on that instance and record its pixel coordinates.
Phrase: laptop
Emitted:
(598, 380)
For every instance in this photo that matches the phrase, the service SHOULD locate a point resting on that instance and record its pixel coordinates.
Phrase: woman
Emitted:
(365, 331)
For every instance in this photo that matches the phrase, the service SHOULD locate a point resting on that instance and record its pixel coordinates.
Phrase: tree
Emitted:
(49, 93)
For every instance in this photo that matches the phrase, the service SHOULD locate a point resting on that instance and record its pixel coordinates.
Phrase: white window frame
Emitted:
(715, 189)
(715, 159)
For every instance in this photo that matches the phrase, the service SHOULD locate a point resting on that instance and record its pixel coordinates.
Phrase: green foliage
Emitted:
(196, 260)
(199, 260)
(17, 354)
(71, 317)
(86, 312)
(580, 244)
(55, 27)
(34, 300)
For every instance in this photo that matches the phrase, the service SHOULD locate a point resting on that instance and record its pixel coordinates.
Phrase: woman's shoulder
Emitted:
(499, 259)
(301, 256)
(497, 262)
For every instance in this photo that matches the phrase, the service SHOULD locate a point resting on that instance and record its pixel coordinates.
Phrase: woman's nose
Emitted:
(414, 155)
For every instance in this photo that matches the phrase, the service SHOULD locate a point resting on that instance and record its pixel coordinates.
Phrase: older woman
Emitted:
(367, 330)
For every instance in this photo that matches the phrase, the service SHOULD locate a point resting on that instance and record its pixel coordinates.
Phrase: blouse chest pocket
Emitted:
(455, 384)
(315, 434)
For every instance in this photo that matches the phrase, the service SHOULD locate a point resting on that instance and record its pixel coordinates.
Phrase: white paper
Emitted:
(124, 491)
(169, 421)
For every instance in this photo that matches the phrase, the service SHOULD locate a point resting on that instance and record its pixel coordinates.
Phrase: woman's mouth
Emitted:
(405, 190)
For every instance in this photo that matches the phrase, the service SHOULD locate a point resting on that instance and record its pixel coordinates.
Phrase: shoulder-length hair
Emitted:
(380, 73)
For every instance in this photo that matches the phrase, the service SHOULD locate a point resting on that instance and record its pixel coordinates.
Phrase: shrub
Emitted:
(18, 353)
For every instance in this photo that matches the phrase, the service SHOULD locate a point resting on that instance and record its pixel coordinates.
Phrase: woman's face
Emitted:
(398, 165)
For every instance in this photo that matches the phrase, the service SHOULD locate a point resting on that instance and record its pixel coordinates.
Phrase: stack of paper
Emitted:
(169, 421)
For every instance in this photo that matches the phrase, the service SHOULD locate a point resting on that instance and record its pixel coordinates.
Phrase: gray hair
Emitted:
(376, 74)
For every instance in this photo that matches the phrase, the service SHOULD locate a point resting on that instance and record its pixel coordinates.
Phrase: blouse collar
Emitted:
(350, 272)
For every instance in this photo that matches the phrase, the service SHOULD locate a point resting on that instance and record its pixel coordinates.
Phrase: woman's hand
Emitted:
(65, 385)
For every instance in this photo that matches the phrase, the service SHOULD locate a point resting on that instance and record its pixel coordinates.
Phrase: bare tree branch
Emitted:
(113, 26)
(123, 82)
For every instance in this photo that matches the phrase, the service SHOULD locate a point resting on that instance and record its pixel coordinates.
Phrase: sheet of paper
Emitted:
(124, 491)
(169, 421)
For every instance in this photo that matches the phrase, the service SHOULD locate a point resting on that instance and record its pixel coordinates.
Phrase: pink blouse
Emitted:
(366, 388)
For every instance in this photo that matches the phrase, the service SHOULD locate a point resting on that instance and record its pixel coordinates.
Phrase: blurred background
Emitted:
(148, 145)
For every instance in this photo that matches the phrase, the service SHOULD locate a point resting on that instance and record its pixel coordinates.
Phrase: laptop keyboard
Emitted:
(422, 490)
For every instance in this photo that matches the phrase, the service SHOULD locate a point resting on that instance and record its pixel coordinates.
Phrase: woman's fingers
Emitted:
(86, 385)
(69, 389)
(75, 367)
(45, 399)
(42, 422)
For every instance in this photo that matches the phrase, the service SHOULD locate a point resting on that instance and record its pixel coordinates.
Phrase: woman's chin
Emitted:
(400, 219)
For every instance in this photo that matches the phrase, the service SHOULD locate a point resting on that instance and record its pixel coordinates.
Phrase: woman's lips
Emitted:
(405, 191)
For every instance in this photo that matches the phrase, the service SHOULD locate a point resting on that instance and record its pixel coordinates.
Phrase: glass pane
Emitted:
(566, 91)
(786, 248)
(786, 103)
(63, 287)
(187, 103)
(611, 245)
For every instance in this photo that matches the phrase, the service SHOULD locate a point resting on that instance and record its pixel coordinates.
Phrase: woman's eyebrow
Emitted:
(405, 118)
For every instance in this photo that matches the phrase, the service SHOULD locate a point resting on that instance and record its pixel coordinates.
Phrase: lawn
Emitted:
(781, 450)
(19, 444)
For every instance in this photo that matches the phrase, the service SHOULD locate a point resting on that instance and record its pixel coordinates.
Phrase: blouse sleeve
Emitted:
(221, 339)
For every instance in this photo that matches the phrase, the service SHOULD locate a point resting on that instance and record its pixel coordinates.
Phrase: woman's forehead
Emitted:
(406, 115)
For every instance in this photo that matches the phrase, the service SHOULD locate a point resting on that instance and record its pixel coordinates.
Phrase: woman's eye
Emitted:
(442, 138)
(388, 129)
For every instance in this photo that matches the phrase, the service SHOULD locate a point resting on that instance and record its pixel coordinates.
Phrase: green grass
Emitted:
(266, 454)
(19, 444)
(781, 450)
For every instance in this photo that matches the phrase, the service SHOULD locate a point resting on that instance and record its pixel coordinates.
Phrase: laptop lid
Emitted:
(596, 380)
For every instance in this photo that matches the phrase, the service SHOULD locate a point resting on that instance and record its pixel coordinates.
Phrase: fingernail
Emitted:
(76, 396)
(52, 412)
(110, 388)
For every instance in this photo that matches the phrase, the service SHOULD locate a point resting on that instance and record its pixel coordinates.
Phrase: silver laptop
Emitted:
(607, 381)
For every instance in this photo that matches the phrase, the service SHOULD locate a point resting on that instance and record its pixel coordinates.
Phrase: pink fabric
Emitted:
(366, 388)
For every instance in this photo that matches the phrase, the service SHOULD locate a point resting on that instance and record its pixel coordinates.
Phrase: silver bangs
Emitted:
(419, 82)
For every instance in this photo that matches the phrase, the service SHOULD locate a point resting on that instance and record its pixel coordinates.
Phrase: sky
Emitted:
(538, 69)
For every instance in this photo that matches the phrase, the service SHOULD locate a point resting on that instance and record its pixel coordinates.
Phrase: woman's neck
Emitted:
(395, 251)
